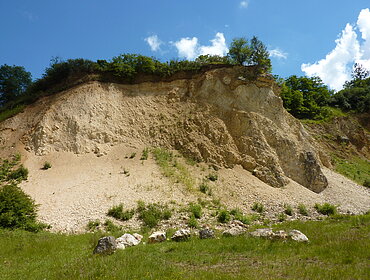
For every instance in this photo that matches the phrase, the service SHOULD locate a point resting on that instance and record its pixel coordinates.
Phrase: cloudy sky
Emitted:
(316, 37)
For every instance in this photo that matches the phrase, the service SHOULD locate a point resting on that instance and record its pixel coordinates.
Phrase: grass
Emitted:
(172, 168)
(338, 249)
(356, 169)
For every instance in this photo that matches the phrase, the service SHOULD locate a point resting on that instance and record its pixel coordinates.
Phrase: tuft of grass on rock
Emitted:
(145, 154)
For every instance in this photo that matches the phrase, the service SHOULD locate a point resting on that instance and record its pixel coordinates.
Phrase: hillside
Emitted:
(215, 122)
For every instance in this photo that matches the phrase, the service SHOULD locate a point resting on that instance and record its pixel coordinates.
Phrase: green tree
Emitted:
(240, 51)
(305, 98)
(14, 80)
(260, 55)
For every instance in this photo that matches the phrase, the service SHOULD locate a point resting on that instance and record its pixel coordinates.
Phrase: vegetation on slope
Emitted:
(16, 88)
(339, 249)
(17, 209)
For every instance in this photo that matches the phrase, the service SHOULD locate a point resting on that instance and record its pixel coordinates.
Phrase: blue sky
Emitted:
(322, 37)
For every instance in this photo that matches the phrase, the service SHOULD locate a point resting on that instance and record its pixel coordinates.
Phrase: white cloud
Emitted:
(187, 47)
(277, 53)
(244, 4)
(154, 42)
(335, 69)
(190, 49)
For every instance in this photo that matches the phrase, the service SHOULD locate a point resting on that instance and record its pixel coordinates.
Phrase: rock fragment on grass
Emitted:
(106, 245)
(206, 233)
(181, 235)
(156, 237)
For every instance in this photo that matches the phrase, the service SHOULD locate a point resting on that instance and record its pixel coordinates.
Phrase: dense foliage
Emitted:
(14, 80)
(356, 93)
(254, 53)
(17, 209)
(305, 98)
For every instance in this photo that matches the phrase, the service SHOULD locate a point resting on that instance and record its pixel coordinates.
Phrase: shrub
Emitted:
(18, 210)
(19, 174)
(302, 210)
(120, 214)
(212, 177)
(258, 207)
(367, 183)
(205, 188)
(92, 225)
(153, 213)
(132, 155)
(111, 227)
(281, 217)
(288, 210)
(238, 215)
(145, 154)
(47, 165)
(326, 209)
(195, 210)
(224, 216)
(193, 223)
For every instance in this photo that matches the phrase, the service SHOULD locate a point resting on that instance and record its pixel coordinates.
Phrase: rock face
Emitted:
(215, 116)
(181, 235)
(106, 245)
(156, 237)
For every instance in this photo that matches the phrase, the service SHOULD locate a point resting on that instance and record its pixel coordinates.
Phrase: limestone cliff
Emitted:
(218, 116)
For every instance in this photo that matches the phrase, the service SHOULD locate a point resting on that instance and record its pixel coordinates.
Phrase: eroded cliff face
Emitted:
(217, 116)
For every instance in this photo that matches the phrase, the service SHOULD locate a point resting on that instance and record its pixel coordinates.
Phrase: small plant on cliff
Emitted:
(47, 165)
(145, 154)
(302, 210)
(224, 216)
(192, 222)
(288, 210)
(120, 214)
(326, 209)
(258, 207)
(195, 210)
(151, 214)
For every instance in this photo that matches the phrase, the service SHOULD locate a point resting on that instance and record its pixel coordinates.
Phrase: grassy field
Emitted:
(356, 169)
(338, 249)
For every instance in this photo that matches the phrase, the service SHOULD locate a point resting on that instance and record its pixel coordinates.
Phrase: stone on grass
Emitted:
(263, 232)
(127, 240)
(181, 235)
(206, 233)
(156, 237)
(296, 235)
(106, 245)
(234, 231)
